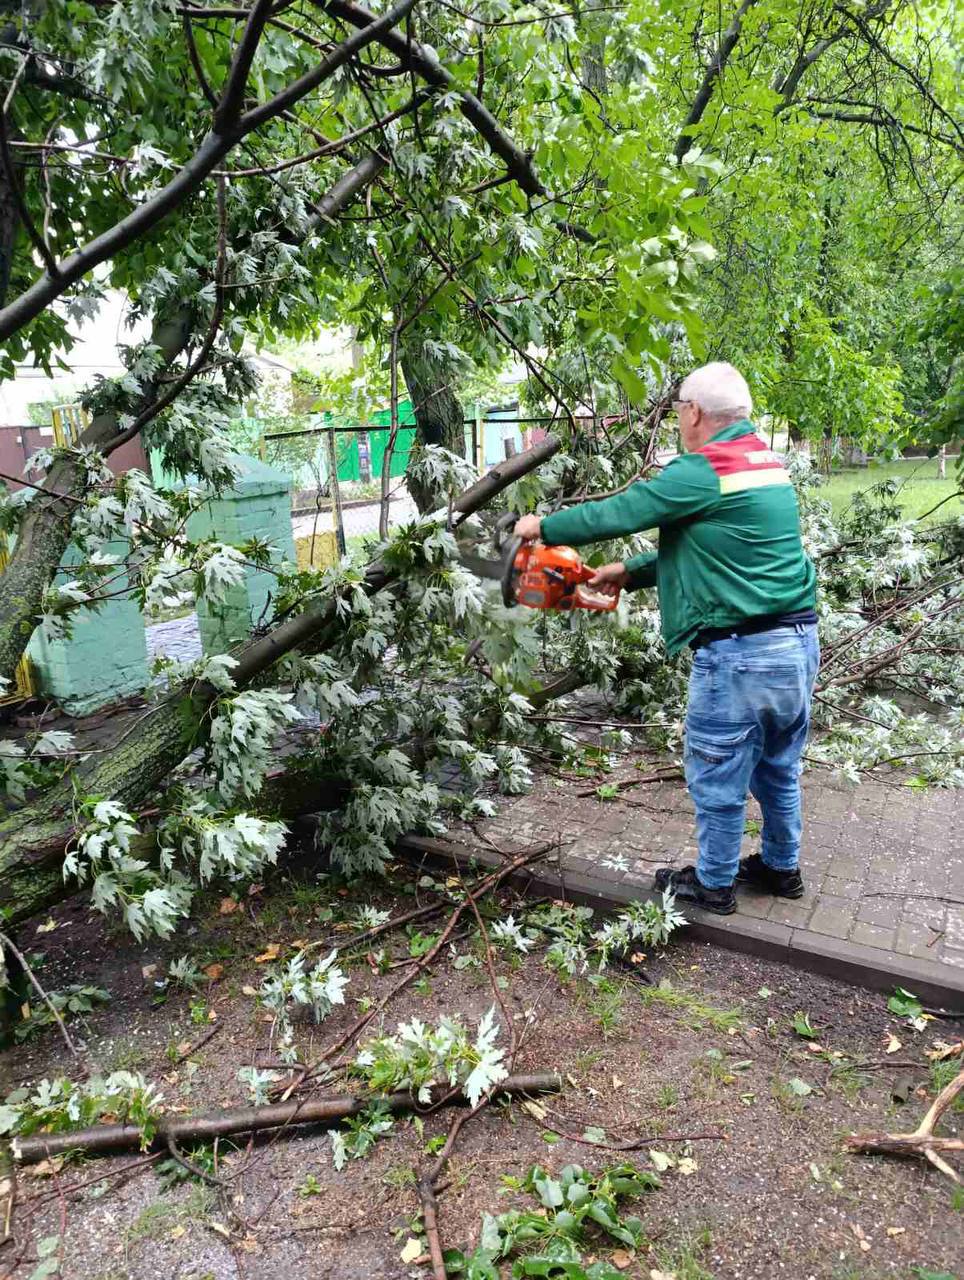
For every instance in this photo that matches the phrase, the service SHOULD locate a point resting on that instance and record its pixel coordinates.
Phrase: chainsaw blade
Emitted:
(482, 568)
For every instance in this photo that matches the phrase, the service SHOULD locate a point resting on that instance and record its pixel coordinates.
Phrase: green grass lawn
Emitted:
(920, 487)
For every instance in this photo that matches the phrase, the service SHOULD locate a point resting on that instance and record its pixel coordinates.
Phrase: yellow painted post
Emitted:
(69, 421)
(317, 550)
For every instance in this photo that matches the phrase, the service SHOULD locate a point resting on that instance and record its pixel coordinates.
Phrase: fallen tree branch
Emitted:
(664, 774)
(33, 839)
(103, 1138)
(484, 886)
(922, 1141)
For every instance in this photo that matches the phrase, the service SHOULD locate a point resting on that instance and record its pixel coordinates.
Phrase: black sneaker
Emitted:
(755, 873)
(684, 883)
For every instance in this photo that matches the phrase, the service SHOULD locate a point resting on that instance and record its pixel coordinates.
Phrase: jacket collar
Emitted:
(743, 427)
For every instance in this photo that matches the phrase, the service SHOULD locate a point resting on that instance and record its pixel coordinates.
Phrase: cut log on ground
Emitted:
(104, 1138)
(923, 1141)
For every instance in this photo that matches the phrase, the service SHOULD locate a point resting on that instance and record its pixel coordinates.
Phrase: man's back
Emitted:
(729, 543)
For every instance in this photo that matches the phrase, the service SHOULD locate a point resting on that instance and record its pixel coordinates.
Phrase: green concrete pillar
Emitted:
(105, 657)
(257, 505)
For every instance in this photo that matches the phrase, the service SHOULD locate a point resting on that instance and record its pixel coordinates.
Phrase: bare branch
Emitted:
(713, 72)
(347, 187)
(13, 182)
(919, 83)
(196, 61)
(332, 147)
(429, 68)
(884, 121)
(228, 111)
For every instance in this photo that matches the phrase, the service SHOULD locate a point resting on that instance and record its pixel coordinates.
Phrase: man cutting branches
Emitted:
(735, 585)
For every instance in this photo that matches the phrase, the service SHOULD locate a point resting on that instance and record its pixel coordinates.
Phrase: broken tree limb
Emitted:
(665, 773)
(923, 1141)
(33, 840)
(478, 890)
(100, 1139)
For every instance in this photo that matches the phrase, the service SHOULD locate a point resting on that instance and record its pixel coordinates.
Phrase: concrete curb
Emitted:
(871, 967)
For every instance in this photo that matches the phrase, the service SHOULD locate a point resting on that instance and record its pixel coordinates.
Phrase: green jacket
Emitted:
(729, 543)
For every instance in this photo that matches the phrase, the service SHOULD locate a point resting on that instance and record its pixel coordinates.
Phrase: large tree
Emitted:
(460, 188)
(254, 173)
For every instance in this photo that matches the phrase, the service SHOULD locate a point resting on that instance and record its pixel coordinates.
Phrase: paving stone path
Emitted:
(358, 520)
(883, 867)
(178, 639)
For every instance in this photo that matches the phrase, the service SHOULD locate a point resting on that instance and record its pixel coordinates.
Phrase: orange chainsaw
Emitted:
(538, 576)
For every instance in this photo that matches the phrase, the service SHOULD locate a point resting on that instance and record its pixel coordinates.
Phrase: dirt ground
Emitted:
(714, 1053)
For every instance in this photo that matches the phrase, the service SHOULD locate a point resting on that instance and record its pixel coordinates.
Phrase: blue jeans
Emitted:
(746, 727)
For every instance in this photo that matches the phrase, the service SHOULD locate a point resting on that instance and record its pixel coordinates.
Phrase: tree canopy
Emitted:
(606, 193)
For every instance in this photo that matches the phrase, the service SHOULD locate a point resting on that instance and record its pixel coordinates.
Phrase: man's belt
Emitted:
(753, 626)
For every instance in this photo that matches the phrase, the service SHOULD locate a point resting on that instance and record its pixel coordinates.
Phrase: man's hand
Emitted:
(610, 579)
(528, 528)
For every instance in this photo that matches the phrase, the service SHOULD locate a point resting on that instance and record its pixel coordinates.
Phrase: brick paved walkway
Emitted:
(178, 639)
(883, 865)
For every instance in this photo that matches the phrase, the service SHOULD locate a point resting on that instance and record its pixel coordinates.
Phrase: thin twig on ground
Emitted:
(55, 1012)
(198, 1044)
(666, 774)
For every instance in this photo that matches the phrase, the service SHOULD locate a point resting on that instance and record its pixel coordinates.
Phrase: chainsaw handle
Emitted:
(597, 601)
(500, 532)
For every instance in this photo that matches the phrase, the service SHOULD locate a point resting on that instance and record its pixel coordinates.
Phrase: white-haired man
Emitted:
(736, 586)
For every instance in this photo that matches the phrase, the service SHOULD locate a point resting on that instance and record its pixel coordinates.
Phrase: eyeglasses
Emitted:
(676, 405)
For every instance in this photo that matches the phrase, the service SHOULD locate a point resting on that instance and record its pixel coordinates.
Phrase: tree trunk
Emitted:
(438, 413)
(34, 839)
(9, 225)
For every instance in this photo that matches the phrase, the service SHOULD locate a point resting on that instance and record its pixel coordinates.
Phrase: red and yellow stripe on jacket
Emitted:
(744, 463)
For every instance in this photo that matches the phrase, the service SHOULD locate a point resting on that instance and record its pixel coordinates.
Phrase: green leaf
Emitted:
(905, 1004)
(48, 1267)
(491, 1239)
(802, 1026)
(549, 1192)
(701, 251)
(594, 1134)
(799, 1088)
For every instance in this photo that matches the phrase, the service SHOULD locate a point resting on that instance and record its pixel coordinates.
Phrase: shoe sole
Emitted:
(704, 906)
(774, 893)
